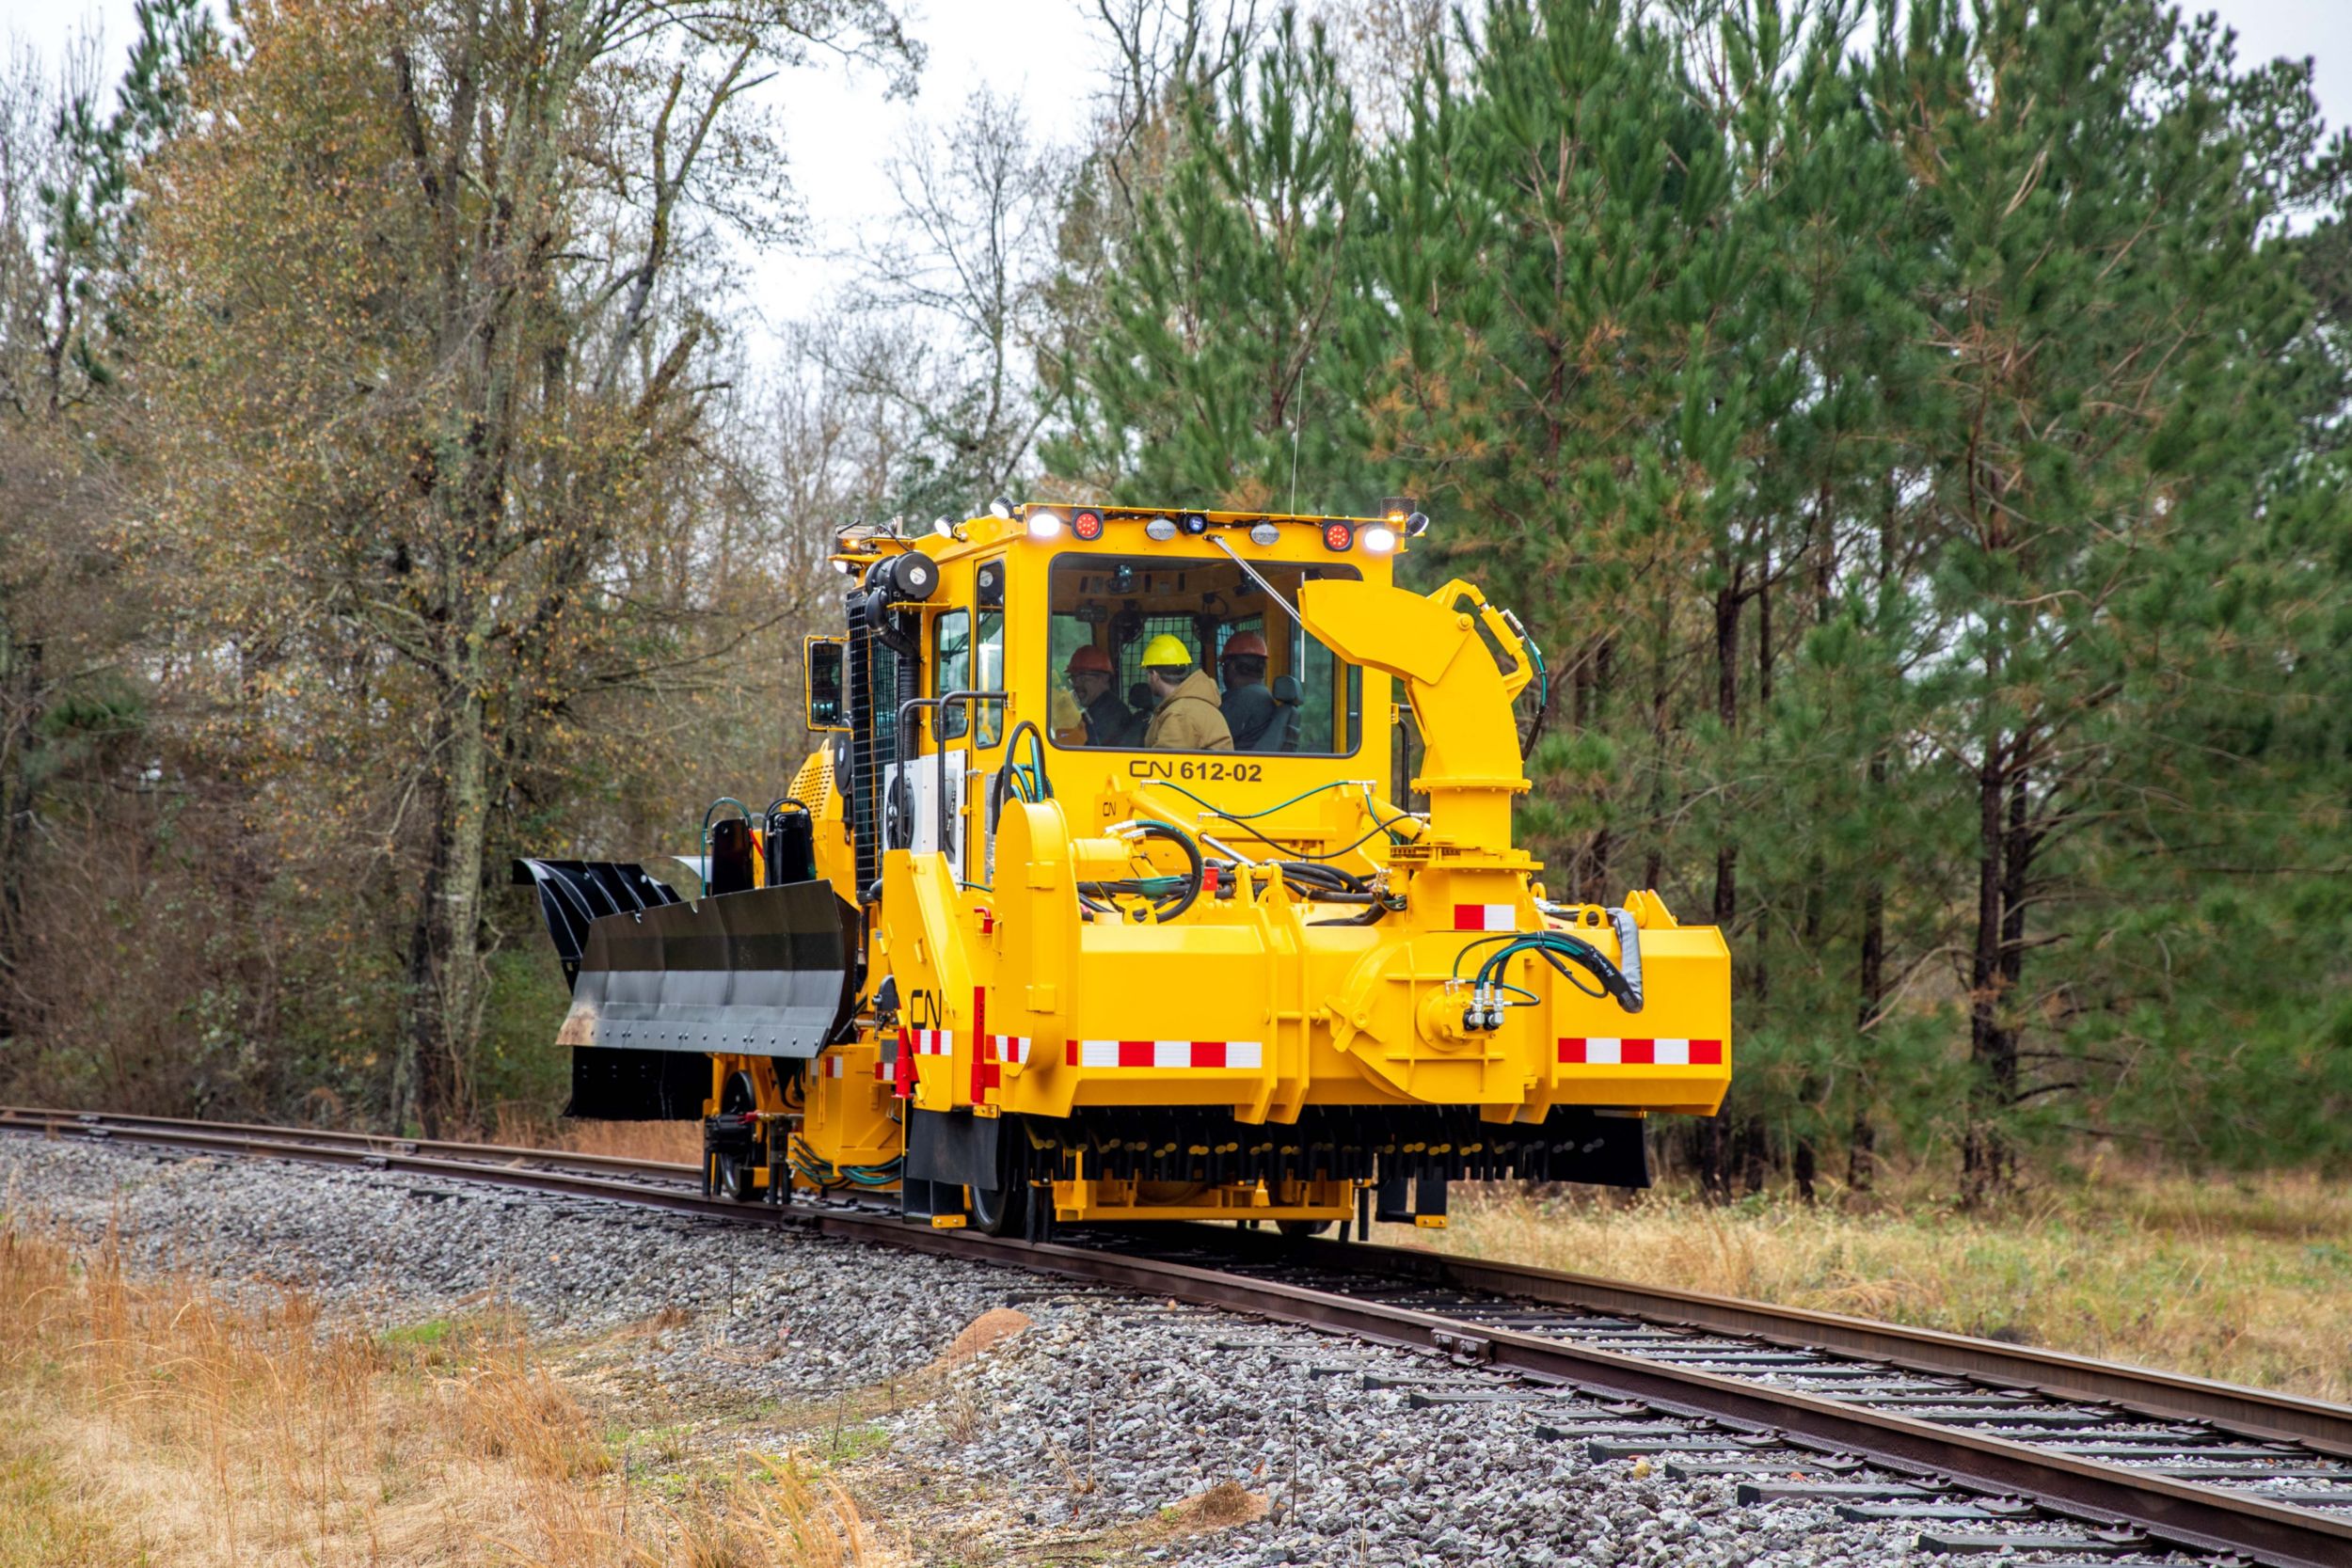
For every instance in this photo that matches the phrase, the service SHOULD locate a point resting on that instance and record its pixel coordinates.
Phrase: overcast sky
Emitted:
(840, 129)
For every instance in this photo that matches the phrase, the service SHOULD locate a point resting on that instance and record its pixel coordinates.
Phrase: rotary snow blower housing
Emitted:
(1091, 907)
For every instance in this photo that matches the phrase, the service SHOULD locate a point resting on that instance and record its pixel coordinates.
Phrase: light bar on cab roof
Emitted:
(1090, 524)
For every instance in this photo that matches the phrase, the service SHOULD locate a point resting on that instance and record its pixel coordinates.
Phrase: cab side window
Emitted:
(988, 674)
(951, 670)
(963, 663)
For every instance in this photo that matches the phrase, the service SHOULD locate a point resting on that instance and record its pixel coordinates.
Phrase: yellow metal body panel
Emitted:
(1102, 1199)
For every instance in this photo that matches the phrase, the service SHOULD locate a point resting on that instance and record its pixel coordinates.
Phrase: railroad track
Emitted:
(1989, 1446)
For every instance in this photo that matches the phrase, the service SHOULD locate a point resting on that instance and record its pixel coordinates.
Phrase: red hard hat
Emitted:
(1090, 658)
(1247, 645)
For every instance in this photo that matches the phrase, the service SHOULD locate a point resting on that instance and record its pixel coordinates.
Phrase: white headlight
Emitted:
(1161, 529)
(1043, 524)
(1265, 535)
(1380, 538)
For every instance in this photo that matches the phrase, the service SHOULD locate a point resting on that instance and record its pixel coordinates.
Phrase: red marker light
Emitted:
(1338, 536)
(1088, 526)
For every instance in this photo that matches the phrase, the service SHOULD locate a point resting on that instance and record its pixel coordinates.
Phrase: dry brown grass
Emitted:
(680, 1142)
(2248, 1279)
(1221, 1507)
(146, 1422)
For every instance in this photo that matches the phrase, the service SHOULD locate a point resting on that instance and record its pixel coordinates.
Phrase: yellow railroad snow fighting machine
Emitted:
(1153, 865)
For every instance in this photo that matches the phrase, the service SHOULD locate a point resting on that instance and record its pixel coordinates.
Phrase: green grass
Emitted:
(850, 1444)
(45, 1519)
(411, 1336)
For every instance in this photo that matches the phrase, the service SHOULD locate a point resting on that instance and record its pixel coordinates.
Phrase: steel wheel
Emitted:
(1004, 1209)
(732, 1178)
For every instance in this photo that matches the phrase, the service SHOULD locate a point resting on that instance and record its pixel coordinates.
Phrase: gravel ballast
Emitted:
(1104, 1412)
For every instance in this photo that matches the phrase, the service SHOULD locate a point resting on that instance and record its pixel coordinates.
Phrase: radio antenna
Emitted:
(1272, 591)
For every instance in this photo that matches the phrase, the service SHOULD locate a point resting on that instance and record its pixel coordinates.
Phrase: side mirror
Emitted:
(827, 683)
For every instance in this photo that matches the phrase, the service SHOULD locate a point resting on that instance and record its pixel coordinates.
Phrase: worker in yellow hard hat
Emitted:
(1189, 717)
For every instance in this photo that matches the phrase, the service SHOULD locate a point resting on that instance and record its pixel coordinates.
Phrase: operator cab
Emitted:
(1009, 653)
(1280, 689)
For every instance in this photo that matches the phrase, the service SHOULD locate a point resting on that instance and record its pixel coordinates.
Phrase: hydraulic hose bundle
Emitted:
(1169, 896)
(1558, 949)
(826, 1176)
(1023, 779)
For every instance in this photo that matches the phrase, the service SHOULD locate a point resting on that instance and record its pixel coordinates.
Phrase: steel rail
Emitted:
(2168, 1510)
(2272, 1417)
(102, 1124)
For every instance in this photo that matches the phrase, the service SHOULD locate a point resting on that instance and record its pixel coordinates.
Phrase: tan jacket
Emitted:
(1191, 720)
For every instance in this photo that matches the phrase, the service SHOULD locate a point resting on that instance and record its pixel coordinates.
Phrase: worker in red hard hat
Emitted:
(1248, 705)
(1109, 722)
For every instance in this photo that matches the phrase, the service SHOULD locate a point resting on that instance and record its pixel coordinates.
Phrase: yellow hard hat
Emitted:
(1166, 651)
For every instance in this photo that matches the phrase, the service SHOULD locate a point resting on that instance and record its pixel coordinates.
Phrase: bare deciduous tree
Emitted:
(435, 425)
(952, 313)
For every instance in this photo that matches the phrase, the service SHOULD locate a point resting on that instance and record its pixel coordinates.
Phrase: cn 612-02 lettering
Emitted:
(1189, 767)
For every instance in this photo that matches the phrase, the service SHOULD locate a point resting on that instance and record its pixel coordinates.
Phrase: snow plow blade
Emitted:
(759, 973)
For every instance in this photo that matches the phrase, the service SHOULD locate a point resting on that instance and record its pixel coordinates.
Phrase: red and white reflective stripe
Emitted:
(933, 1042)
(1246, 1055)
(833, 1066)
(1486, 917)
(1010, 1048)
(1592, 1051)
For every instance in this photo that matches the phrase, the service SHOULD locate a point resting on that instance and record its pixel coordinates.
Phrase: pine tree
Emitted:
(90, 221)
(2109, 317)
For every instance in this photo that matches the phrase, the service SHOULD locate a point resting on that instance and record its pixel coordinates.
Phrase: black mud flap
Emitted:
(1402, 1200)
(638, 1085)
(1606, 1151)
(952, 1147)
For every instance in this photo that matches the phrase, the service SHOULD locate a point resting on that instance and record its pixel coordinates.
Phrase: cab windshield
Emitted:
(1250, 677)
